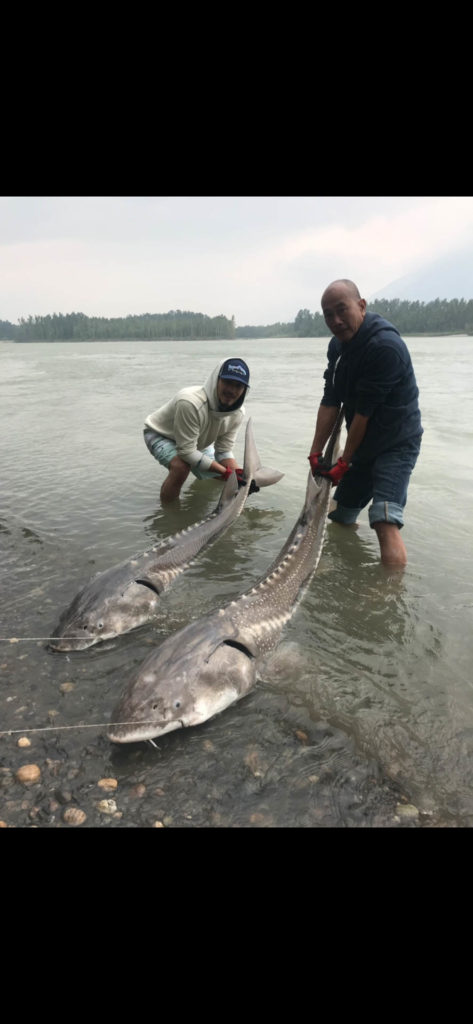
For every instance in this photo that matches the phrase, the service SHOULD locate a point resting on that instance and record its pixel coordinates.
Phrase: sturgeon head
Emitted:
(213, 662)
(112, 603)
(194, 674)
(128, 595)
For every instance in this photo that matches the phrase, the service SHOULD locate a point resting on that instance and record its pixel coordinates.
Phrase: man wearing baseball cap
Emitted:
(195, 431)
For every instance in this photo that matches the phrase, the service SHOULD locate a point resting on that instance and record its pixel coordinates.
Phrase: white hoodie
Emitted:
(192, 419)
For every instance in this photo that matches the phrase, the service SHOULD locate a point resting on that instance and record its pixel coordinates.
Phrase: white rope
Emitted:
(56, 728)
(17, 639)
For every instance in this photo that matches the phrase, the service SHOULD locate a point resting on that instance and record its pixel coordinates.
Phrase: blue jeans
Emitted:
(164, 449)
(385, 480)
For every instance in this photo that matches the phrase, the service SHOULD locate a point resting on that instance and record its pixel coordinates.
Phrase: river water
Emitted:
(364, 715)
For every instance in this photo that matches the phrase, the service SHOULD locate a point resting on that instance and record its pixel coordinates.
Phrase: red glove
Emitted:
(241, 479)
(315, 461)
(227, 472)
(336, 472)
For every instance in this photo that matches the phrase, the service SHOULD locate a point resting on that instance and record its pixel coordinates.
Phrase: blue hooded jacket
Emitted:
(372, 374)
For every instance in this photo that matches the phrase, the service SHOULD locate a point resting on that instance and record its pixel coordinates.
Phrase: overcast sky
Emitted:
(258, 258)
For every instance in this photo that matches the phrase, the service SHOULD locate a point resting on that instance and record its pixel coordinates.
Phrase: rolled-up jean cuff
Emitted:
(386, 512)
(340, 514)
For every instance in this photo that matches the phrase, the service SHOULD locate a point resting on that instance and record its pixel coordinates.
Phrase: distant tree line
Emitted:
(145, 327)
(442, 316)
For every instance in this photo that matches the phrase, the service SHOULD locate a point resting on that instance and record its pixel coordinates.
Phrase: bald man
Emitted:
(370, 372)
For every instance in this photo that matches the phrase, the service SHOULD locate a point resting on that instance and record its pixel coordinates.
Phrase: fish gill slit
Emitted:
(239, 647)
(146, 583)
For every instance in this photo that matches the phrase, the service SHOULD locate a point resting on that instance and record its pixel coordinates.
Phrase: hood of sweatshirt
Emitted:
(210, 388)
(373, 324)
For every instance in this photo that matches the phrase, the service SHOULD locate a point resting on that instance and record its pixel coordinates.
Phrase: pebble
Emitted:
(24, 742)
(302, 736)
(74, 816)
(407, 811)
(257, 818)
(252, 762)
(28, 773)
(107, 806)
(138, 790)
(107, 783)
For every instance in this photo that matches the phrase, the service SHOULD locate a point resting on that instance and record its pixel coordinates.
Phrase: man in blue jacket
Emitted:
(369, 371)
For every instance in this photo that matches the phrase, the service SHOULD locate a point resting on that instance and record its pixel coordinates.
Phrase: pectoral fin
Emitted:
(264, 476)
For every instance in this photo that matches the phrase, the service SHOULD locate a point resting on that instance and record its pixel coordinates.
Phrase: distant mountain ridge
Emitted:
(450, 277)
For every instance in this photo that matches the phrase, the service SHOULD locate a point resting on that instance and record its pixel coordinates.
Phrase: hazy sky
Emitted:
(259, 258)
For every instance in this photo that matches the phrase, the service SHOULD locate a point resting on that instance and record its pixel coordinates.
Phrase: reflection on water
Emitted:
(375, 668)
(234, 558)
(194, 504)
(363, 716)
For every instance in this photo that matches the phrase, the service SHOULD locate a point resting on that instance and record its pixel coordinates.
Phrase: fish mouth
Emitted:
(64, 644)
(129, 737)
(124, 733)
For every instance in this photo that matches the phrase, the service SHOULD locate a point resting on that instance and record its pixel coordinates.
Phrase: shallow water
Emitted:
(364, 714)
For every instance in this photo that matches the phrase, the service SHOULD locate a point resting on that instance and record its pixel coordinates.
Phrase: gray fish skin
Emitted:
(213, 662)
(128, 595)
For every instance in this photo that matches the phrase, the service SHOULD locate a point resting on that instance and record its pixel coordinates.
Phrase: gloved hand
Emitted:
(242, 482)
(336, 472)
(241, 479)
(316, 462)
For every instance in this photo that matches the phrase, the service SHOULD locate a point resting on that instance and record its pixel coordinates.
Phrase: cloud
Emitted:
(260, 258)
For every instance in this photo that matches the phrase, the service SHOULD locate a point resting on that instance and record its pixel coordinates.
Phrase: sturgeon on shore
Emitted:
(128, 594)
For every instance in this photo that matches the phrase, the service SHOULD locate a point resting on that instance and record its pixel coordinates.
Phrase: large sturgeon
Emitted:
(213, 662)
(128, 595)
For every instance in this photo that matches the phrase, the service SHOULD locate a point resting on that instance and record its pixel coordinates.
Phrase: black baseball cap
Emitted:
(236, 369)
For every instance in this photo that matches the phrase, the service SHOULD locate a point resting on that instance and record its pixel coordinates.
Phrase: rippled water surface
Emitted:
(364, 714)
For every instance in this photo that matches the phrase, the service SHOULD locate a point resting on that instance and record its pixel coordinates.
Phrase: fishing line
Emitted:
(57, 728)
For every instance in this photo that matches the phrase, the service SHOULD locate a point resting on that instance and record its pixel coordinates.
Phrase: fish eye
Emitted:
(99, 625)
(177, 703)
